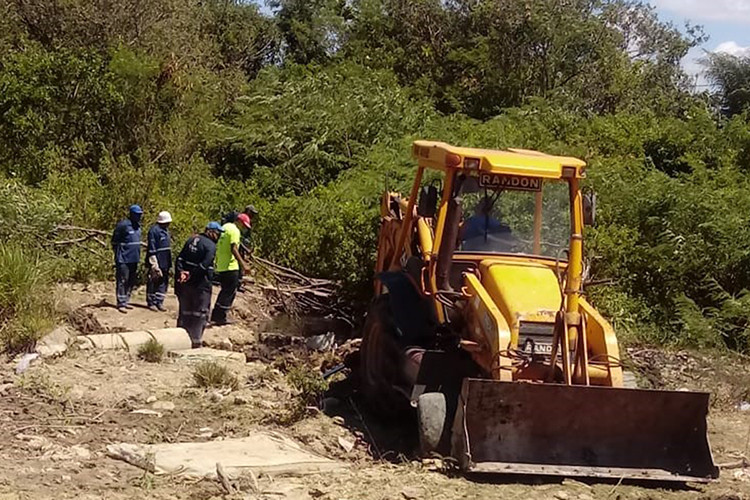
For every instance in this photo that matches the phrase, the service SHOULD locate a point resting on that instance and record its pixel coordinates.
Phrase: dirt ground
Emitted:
(57, 418)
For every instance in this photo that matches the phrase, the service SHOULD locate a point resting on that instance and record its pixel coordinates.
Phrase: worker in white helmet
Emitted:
(158, 261)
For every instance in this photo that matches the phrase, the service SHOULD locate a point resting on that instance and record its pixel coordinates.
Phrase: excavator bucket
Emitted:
(582, 431)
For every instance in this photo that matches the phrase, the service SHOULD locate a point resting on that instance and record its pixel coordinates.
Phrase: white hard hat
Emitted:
(163, 218)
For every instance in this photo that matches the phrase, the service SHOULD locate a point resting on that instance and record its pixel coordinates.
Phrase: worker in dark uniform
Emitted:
(194, 271)
(159, 261)
(126, 243)
(246, 246)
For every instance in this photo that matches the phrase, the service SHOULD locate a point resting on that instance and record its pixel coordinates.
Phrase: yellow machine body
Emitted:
(550, 396)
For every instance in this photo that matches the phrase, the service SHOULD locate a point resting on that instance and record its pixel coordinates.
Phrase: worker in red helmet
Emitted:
(230, 267)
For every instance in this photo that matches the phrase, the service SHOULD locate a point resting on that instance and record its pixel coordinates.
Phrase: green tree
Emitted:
(247, 39)
(481, 56)
(312, 30)
(730, 75)
(299, 128)
(59, 111)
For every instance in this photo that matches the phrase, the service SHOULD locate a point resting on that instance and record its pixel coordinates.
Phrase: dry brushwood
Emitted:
(82, 235)
(224, 479)
(299, 294)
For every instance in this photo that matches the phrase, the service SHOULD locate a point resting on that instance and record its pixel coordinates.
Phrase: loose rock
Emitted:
(81, 452)
(146, 411)
(163, 405)
(411, 493)
(55, 343)
(324, 342)
(25, 362)
(346, 444)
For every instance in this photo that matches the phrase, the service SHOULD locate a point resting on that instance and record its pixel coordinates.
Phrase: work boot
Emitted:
(161, 308)
(154, 308)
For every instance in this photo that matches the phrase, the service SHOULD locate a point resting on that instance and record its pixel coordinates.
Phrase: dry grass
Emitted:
(26, 305)
(210, 374)
(152, 351)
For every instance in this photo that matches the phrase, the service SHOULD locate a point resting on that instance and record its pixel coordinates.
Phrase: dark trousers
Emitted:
(156, 289)
(229, 281)
(193, 315)
(125, 276)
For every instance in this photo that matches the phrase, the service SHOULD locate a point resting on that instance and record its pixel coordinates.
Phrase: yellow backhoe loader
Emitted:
(480, 322)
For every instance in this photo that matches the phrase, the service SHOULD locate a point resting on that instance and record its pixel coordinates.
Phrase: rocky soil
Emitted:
(57, 418)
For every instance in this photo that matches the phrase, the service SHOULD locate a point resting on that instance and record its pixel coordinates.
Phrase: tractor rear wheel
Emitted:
(381, 361)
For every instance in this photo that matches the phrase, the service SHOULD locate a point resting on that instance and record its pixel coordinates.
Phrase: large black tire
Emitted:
(433, 423)
(380, 362)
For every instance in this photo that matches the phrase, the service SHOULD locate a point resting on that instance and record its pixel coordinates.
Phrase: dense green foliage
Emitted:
(308, 113)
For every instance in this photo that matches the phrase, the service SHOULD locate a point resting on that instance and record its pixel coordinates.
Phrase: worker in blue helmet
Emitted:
(126, 243)
(194, 271)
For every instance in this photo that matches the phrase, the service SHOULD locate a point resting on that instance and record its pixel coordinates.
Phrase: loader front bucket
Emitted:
(581, 431)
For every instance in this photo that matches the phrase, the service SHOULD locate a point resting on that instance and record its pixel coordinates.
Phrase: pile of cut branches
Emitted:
(300, 295)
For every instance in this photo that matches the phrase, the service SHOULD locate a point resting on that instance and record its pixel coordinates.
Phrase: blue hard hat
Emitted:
(215, 226)
(136, 209)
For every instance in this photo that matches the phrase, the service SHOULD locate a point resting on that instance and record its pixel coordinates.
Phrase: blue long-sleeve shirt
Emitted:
(126, 242)
(160, 246)
(196, 257)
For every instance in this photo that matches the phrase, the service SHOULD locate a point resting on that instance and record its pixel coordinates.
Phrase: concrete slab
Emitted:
(262, 452)
(209, 354)
(173, 339)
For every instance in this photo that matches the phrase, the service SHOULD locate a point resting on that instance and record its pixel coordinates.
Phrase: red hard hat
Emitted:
(244, 220)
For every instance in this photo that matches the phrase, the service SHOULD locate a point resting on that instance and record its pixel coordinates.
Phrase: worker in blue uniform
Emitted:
(194, 271)
(126, 243)
(158, 261)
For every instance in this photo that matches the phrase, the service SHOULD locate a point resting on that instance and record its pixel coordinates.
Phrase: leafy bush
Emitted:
(41, 91)
(26, 213)
(309, 382)
(310, 386)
